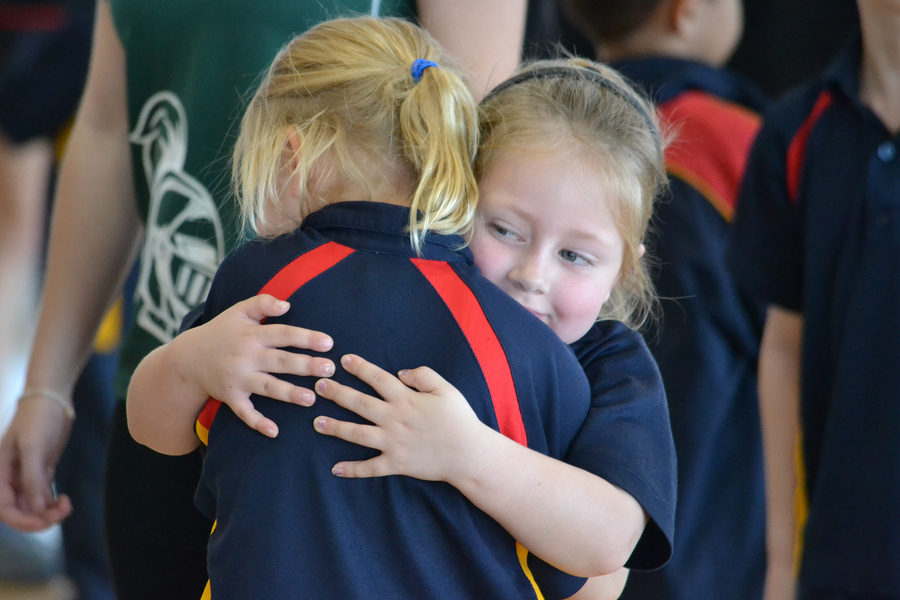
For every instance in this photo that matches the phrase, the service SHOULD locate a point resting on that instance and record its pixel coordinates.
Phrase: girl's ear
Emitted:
(681, 15)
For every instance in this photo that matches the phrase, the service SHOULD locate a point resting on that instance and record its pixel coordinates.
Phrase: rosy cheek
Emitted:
(489, 258)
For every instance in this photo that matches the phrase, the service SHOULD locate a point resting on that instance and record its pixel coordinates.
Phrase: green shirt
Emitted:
(191, 66)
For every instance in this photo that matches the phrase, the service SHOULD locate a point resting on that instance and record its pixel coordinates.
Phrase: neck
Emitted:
(641, 44)
(328, 185)
(879, 82)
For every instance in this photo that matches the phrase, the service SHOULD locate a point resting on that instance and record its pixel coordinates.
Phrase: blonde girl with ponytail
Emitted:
(354, 165)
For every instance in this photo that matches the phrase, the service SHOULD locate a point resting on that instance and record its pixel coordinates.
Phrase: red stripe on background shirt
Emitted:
(796, 154)
(712, 146)
(33, 18)
(282, 285)
(491, 358)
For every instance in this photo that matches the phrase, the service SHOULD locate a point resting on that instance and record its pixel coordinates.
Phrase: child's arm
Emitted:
(569, 517)
(229, 358)
(779, 407)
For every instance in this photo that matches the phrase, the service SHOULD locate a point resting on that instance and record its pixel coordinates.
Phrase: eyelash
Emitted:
(580, 260)
(578, 257)
(503, 231)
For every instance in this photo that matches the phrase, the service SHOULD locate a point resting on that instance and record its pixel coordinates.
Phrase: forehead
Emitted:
(548, 172)
(558, 191)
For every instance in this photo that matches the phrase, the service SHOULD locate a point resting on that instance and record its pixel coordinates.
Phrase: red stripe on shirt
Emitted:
(711, 150)
(282, 285)
(33, 18)
(796, 154)
(484, 343)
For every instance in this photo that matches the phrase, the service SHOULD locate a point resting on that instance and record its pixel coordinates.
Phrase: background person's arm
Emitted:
(93, 242)
(779, 407)
(486, 36)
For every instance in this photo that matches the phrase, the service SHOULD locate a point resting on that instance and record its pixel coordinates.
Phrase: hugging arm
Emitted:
(229, 358)
(425, 428)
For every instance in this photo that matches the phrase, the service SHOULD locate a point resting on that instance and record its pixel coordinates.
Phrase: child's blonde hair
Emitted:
(576, 104)
(346, 88)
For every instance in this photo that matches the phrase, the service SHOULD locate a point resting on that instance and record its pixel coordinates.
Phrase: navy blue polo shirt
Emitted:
(44, 53)
(706, 341)
(627, 438)
(283, 521)
(818, 232)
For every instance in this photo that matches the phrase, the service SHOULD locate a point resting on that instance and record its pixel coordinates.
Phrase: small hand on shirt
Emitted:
(424, 427)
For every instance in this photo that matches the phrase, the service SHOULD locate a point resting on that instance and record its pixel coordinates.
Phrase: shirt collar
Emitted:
(382, 228)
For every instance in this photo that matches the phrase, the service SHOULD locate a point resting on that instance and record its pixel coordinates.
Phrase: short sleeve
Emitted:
(765, 249)
(627, 437)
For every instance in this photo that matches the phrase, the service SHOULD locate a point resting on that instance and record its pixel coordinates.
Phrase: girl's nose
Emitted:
(529, 274)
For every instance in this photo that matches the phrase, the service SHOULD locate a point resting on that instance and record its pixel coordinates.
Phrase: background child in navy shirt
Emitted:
(611, 257)
(816, 237)
(707, 339)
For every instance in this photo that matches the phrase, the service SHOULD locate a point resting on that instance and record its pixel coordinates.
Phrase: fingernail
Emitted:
(284, 305)
(320, 385)
(403, 372)
(326, 344)
(319, 424)
(346, 360)
(270, 432)
(307, 398)
(337, 471)
(328, 370)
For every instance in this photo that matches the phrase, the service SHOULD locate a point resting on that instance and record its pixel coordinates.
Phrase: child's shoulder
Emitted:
(253, 263)
(612, 345)
(667, 77)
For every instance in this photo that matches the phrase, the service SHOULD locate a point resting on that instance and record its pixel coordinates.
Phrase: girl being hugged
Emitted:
(354, 160)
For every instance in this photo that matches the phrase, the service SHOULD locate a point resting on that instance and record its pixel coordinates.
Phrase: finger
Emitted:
(425, 380)
(24, 520)
(35, 480)
(386, 384)
(262, 307)
(355, 433)
(278, 335)
(291, 363)
(279, 389)
(254, 419)
(374, 467)
(368, 407)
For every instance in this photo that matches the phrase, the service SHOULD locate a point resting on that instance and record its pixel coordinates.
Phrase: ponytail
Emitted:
(440, 142)
(346, 89)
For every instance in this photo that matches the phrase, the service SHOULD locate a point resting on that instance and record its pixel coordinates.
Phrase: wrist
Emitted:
(49, 395)
(479, 458)
(179, 359)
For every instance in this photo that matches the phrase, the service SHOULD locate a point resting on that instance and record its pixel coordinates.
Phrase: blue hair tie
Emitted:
(418, 66)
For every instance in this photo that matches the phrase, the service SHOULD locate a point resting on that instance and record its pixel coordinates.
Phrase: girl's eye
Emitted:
(502, 232)
(573, 257)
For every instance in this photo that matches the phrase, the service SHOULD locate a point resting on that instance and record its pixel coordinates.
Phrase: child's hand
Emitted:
(234, 356)
(426, 434)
